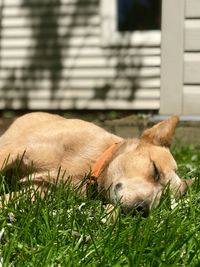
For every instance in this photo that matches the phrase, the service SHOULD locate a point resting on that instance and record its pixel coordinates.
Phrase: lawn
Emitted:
(66, 229)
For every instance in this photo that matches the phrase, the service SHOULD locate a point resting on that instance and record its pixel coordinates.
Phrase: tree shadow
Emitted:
(47, 53)
(49, 49)
(10, 90)
(125, 63)
(45, 56)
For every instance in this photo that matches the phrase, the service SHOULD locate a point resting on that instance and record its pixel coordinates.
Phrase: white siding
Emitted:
(191, 91)
(192, 8)
(69, 68)
(191, 99)
(172, 56)
(192, 37)
(192, 68)
(180, 75)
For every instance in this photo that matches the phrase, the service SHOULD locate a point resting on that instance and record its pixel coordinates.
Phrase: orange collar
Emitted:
(92, 183)
(104, 157)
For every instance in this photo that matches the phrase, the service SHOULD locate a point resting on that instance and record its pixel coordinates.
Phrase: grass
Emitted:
(67, 229)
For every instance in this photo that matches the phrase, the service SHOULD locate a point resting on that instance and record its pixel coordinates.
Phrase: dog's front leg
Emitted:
(32, 187)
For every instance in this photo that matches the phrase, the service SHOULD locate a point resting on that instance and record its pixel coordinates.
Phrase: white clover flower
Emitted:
(82, 205)
(11, 217)
(1, 262)
(2, 233)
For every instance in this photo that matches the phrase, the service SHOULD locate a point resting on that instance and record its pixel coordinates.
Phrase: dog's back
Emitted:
(50, 141)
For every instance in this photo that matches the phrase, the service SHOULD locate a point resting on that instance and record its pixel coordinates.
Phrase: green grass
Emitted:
(67, 229)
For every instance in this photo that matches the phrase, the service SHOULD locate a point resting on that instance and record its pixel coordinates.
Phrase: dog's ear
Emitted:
(161, 134)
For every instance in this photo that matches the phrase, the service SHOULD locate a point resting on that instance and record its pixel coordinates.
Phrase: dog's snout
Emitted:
(141, 207)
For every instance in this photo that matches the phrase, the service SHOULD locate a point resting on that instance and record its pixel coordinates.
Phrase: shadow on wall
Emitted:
(47, 53)
(125, 83)
(45, 58)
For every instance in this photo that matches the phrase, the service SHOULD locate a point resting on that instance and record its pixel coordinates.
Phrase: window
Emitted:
(138, 15)
(137, 21)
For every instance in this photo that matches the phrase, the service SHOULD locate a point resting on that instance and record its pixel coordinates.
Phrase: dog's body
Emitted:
(134, 171)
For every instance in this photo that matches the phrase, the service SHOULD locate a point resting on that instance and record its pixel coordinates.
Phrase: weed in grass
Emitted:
(67, 229)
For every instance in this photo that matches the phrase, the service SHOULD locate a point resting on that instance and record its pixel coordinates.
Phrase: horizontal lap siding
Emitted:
(192, 30)
(192, 68)
(192, 9)
(191, 89)
(78, 72)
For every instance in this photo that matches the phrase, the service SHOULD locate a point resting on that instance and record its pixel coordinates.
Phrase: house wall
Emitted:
(53, 56)
(191, 91)
(180, 70)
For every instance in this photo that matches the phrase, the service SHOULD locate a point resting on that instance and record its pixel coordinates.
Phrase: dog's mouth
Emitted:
(139, 208)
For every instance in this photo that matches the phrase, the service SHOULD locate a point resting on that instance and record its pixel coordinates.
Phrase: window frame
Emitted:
(112, 37)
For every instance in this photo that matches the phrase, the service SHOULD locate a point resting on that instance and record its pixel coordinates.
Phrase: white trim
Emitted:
(172, 57)
(110, 35)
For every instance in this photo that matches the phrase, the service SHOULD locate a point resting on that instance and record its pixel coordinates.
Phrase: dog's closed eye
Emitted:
(156, 173)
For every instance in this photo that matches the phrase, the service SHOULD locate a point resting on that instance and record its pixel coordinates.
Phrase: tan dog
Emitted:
(131, 171)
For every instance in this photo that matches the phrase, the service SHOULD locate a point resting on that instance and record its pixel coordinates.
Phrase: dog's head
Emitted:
(137, 176)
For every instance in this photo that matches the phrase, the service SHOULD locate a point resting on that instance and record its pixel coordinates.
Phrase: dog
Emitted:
(133, 172)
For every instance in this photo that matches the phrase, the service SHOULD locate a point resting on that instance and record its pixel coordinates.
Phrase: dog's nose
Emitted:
(118, 186)
(141, 207)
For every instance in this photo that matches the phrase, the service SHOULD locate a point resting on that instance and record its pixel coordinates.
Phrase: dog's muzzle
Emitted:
(141, 208)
